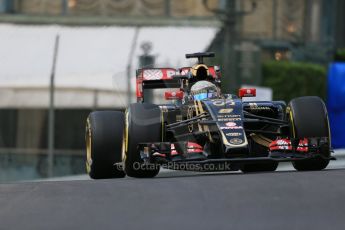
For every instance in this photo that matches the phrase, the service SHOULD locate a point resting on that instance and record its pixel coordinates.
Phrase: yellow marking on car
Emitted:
(125, 138)
(88, 146)
(292, 124)
(123, 149)
(196, 108)
(264, 138)
(261, 140)
(195, 68)
(201, 111)
(223, 111)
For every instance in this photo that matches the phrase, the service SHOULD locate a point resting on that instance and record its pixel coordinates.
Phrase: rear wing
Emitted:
(160, 78)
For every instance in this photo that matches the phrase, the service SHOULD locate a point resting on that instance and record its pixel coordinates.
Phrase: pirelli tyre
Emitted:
(308, 118)
(143, 125)
(259, 167)
(104, 130)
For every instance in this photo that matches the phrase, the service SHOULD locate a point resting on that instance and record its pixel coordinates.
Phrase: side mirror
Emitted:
(247, 92)
(172, 95)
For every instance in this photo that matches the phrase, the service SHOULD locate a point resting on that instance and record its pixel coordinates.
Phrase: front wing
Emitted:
(165, 153)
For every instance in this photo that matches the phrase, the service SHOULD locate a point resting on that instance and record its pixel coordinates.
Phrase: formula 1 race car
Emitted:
(205, 130)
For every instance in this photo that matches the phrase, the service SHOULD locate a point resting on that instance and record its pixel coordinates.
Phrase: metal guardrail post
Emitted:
(129, 63)
(51, 120)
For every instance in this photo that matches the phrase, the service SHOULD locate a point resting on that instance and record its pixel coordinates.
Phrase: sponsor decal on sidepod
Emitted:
(226, 110)
(234, 127)
(233, 134)
(236, 141)
(230, 124)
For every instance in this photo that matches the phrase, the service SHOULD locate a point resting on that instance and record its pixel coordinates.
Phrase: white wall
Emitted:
(89, 57)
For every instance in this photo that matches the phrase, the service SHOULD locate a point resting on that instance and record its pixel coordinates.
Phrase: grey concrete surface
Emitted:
(279, 200)
(181, 200)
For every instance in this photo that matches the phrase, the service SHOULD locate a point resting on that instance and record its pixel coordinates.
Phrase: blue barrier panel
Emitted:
(336, 103)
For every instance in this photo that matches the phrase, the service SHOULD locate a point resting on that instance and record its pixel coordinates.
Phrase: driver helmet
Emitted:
(204, 89)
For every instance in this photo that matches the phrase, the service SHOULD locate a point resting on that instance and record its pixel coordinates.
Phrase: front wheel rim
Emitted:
(88, 147)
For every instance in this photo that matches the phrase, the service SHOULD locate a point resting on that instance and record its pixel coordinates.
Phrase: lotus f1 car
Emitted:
(203, 129)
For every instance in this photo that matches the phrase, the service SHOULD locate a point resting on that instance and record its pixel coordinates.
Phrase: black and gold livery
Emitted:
(218, 131)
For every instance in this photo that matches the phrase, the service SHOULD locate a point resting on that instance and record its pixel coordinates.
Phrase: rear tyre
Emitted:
(308, 118)
(104, 130)
(262, 167)
(143, 125)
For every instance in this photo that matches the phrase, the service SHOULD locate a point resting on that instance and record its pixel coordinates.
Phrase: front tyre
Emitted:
(144, 124)
(308, 118)
(103, 138)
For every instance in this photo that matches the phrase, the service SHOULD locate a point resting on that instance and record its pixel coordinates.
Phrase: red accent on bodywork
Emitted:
(168, 73)
(191, 148)
(157, 74)
(172, 95)
(285, 144)
(153, 74)
(212, 71)
(184, 71)
(247, 92)
(139, 88)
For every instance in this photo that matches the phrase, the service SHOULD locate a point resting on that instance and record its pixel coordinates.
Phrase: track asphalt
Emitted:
(175, 200)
